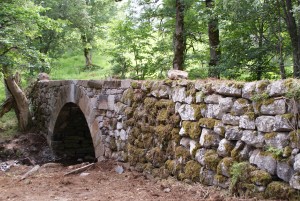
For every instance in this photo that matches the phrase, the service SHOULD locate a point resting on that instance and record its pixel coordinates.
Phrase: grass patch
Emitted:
(8, 125)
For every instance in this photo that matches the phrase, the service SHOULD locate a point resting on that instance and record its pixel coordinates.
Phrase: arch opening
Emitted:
(71, 138)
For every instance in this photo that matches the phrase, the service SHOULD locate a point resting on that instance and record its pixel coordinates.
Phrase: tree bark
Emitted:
(214, 43)
(179, 42)
(294, 31)
(20, 103)
(280, 45)
(87, 51)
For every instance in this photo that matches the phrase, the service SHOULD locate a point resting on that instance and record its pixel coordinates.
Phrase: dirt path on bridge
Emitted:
(101, 182)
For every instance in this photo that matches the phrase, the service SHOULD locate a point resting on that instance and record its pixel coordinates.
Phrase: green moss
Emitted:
(175, 135)
(164, 103)
(269, 136)
(239, 174)
(192, 170)
(237, 85)
(268, 101)
(149, 102)
(112, 144)
(207, 122)
(172, 166)
(262, 85)
(162, 116)
(163, 132)
(127, 97)
(156, 156)
(220, 179)
(182, 152)
(211, 159)
(295, 137)
(279, 190)
(260, 177)
(168, 82)
(287, 151)
(242, 101)
(174, 119)
(135, 85)
(226, 162)
(197, 111)
(251, 115)
(194, 130)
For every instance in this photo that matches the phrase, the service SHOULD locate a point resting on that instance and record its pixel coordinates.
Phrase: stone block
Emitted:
(212, 99)
(209, 138)
(285, 122)
(226, 103)
(240, 107)
(295, 181)
(233, 133)
(230, 119)
(199, 156)
(200, 97)
(187, 112)
(225, 147)
(248, 90)
(159, 90)
(297, 163)
(214, 111)
(253, 138)
(178, 94)
(207, 176)
(230, 89)
(275, 107)
(224, 166)
(277, 140)
(103, 102)
(247, 122)
(284, 170)
(125, 84)
(265, 123)
(264, 161)
(279, 87)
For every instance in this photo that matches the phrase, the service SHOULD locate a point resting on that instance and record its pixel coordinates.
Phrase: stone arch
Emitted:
(77, 95)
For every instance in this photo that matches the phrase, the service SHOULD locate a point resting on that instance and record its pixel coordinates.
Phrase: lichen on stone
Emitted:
(260, 177)
(211, 159)
(207, 122)
(280, 190)
(191, 170)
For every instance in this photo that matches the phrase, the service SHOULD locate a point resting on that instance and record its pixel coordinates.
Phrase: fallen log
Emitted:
(79, 170)
(30, 172)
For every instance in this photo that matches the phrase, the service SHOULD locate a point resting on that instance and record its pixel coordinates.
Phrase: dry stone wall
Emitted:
(241, 136)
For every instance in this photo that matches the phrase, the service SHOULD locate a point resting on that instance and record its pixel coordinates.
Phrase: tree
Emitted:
(20, 23)
(214, 41)
(293, 28)
(179, 38)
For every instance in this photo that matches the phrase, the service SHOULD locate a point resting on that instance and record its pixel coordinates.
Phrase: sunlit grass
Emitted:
(8, 125)
(72, 67)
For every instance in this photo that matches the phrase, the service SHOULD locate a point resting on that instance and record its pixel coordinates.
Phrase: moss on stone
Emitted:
(251, 115)
(163, 132)
(294, 136)
(112, 144)
(192, 170)
(194, 151)
(172, 166)
(262, 85)
(279, 190)
(164, 103)
(260, 177)
(182, 152)
(227, 162)
(268, 101)
(240, 173)
(135, 84)
(149, 102)
(194, 130)
(271, 135)
(242, 101)
(207, 122)
(127, 97)
(175, 135)
(174, 119)
(162, 116)
(211, 159)
(287, 151)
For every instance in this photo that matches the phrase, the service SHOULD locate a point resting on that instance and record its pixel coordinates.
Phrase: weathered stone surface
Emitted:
(295, 181)
(206, 176)
(263, 161)
(245, 152)
(199, 156)
(230, 119)
(178, 94)
(177, 74)
(233, 133)
(224, 166)
(277, 88)
(160, 91)
(226, 103)
(247, 122)
(240, 107)
(230, 89)
(200, 97)
(297, 163)
(221, 181)
(214, 111)
(284, 122)
(185, 142)
(187, 112)
(209, 138)
(212, 99)
(277, 140)
(265, 123)
(219, 128)
(225, 147)
(253, 138)
(248, 90)
(274, 108)
(284, 170)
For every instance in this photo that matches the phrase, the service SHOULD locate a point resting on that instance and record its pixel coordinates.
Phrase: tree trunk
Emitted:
(293, 30)
(88, 57)
(179, 42)
(20, 103)
(214, 43)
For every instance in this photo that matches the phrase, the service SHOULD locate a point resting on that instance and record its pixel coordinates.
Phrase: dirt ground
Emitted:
(99, 182)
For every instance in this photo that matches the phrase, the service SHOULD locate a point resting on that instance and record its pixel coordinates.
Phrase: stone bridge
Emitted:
(205, 131)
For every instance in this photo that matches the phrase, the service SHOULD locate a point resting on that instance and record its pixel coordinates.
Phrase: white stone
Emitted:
(177, 74)
(246, 123)
(178, 94)
(230, 119)
(277, 107)
(233, 133)
(209, 138)
(224, 148)
(226, 103)
(186, 112)
(265, 123)
(263, 161)
(253, 138)
(279, 141)
(295, 181)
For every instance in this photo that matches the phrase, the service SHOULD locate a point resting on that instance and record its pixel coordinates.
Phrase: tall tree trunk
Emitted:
(214, 43)
(21, 103)
(294, 31)
(280, 45)
(179, 42)
(87, 50)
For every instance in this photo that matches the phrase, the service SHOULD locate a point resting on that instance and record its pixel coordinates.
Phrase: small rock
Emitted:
(177, 74)
(167, 190)
(119, 169)
(84, 174)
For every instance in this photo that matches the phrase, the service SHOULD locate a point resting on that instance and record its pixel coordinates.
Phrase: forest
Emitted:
(143, 39)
